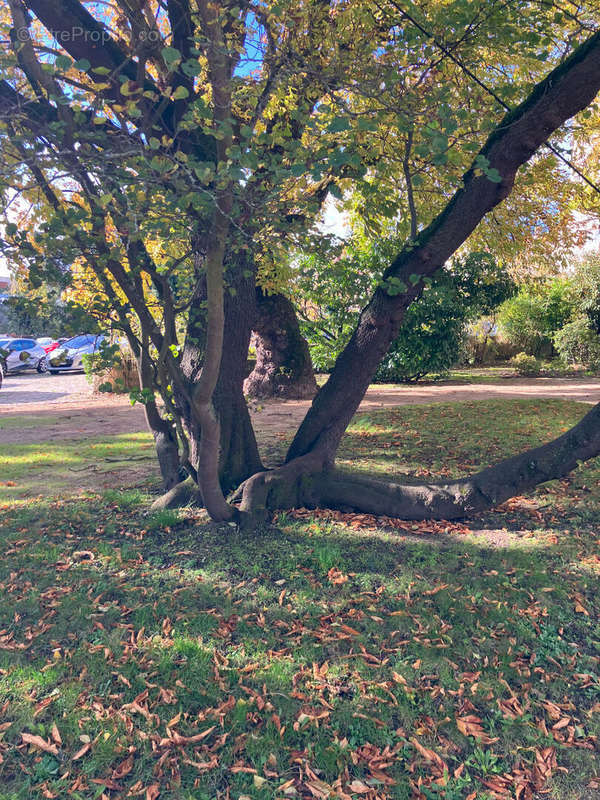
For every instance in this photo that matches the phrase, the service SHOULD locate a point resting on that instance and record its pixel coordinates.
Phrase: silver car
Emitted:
(19, 354)
(69, 356)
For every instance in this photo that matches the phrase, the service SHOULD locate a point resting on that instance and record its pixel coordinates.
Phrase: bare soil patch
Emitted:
(64, 406)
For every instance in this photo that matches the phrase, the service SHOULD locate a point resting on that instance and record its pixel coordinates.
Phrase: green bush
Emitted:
(430, 339)
(530, 319)
(526, 365)
(578, 343)
(112, 369)
(432, 334)
(434, 331)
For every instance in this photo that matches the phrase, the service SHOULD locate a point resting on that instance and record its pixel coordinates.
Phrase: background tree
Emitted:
(533, 316)
(283, 364)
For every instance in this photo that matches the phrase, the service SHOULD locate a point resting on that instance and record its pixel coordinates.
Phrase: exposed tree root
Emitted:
(305, 482)
(182, 494)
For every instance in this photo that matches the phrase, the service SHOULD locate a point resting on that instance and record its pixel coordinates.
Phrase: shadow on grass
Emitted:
(303, 650)
(200, 661)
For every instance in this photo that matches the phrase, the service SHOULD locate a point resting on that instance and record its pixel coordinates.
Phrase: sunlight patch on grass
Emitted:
(314, 644)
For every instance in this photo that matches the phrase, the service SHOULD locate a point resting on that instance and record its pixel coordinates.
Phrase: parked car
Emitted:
(19, 354)
(69, 356)
(48, 344)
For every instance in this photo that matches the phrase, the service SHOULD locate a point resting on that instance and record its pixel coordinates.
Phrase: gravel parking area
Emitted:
(29, 388)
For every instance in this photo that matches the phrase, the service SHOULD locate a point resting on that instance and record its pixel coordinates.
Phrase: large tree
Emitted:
(178, 148)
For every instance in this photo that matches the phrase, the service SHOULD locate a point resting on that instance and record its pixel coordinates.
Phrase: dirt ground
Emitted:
(63, 406)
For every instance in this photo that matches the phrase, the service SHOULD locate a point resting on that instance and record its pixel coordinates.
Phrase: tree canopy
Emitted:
(176, 150)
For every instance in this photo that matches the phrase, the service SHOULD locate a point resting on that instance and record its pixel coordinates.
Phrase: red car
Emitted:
(48, 344)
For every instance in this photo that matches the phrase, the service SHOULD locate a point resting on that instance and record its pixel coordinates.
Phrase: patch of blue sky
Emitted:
(252, 58)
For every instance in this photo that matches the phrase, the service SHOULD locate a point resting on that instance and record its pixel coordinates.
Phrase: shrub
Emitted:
(578, 343)
(485, 345)
(432, 334)
(586, 282)
(112, 369)
(526, 364)
(530, 319)
(429, 342)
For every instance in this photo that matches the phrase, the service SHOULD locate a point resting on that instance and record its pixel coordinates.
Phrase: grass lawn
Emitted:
(326, 656)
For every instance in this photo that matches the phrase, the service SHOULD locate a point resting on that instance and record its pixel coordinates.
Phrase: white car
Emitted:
(69, 356)
(18, 354)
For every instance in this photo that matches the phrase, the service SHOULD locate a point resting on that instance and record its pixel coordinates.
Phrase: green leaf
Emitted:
(338, 125)
(493, 175)
(297, 170)
(83, 64)
(171, 56)
(191, 68)
(180, 93)
(63, 62)
(366, 124)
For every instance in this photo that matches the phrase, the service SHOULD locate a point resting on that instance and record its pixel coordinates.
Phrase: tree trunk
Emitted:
(565, 91)
(167, 450)
(239, 456)
(283, 366)
(163, 431)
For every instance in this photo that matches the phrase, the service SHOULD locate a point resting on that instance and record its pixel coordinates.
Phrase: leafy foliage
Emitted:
(526, 365)
(45, 315)
(586, 289)
(579, 343)
(531, 318)
(432, 332)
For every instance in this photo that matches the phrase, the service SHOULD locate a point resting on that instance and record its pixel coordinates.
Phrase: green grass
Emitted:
(63, 466)
(19, 422)
(488, 375)
(325, 655)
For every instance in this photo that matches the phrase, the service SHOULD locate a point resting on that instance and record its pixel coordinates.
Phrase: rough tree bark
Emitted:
(163, 432)
(283, 366)
(308, 476)
(304, 482)
(239, 456)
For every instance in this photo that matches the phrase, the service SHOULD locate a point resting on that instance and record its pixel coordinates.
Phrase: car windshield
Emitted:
(5, 342)
(80, 341)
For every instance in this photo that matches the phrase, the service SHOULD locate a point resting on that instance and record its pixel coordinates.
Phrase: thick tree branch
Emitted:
(567, 90)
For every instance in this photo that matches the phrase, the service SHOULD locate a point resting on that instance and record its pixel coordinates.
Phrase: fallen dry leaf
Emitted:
(40, 743)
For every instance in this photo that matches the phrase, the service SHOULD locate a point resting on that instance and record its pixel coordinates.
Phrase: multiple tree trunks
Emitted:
(308, 477)
(283, 366)
(239, 456)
